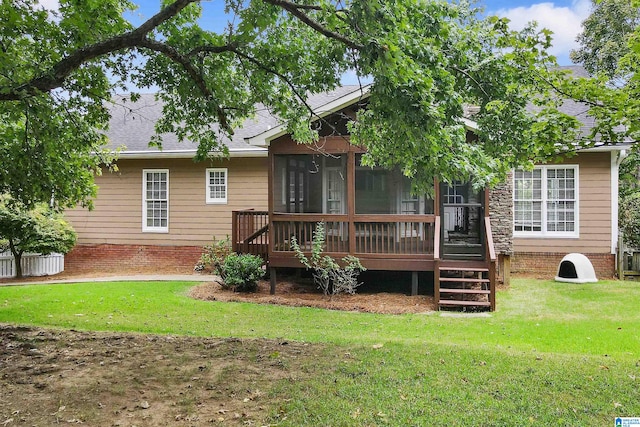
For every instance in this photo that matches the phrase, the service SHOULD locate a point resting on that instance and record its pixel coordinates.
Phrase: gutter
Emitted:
(189, 154)
(622, 147)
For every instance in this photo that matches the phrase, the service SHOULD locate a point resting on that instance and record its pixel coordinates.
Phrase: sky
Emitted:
(563, 17)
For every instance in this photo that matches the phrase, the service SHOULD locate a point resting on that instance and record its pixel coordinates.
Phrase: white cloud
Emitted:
(51, 5)
(564, 21)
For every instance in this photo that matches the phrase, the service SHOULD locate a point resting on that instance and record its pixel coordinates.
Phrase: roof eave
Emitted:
(264, 139)
(606, 148)
(469, 124)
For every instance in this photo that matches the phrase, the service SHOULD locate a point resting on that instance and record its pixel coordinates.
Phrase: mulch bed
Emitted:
(304, 294)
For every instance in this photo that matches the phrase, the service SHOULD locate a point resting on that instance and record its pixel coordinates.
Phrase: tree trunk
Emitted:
(18, 261)
(17, 257)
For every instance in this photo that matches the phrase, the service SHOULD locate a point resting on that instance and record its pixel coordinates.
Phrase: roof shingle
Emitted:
(132, 124)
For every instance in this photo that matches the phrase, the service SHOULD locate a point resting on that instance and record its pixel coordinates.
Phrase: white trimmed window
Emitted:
(217, 185)
(155, 200)
(545, 201)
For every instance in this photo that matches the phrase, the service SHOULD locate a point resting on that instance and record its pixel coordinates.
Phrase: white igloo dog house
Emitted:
(576, 268)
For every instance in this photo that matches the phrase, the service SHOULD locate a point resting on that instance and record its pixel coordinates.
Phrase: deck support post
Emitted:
(272, 280)
(234, 229)
(506, 270)
(620, 257)
(414, 283)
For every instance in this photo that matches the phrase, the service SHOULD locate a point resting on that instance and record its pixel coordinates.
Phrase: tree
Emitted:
(49, 139)
(605, 36)
(629, 212)
(427, 60)
(36, 230)
(630, 220)
(610, 49)
(629, 174)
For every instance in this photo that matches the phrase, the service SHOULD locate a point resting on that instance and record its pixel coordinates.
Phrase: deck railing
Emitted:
(303, 228)
(368, 234)
(436, 259)
(249, 232)
(402, 237)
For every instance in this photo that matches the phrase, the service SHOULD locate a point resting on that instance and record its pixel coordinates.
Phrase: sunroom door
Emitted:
(334, 191)
(334, 194)
(409, 204)
(453, 213)
(462, 221)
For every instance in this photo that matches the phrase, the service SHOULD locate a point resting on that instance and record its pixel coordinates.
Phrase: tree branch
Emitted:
(470, 77)
(191, 70)
(212, 49)
(275, 73)
(138, 38)
(284, 78)
(56, 76)
(296, 10)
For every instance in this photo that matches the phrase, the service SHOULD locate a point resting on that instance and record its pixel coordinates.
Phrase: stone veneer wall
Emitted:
(501, 215)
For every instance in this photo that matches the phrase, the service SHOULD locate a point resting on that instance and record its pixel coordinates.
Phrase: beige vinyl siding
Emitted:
(117, 216)
(594, 211)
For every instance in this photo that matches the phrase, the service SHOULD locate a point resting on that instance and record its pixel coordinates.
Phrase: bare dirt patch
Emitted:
(304, 294)
(50, 377)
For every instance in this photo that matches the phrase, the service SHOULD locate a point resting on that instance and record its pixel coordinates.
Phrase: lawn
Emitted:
(552, 354)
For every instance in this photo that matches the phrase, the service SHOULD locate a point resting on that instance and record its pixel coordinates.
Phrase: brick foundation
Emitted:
(121, 259)
(545, 265)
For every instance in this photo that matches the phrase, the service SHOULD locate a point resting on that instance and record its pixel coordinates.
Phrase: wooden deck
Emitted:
(381, 242)
(384, 242)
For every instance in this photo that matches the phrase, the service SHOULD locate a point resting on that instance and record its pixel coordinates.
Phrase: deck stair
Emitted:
(465, 286)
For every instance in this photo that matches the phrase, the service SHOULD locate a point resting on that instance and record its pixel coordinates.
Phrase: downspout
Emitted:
(616, 159)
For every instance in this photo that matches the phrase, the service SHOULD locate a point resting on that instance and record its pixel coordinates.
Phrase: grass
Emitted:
(548, 317)
(553, 353)
(458, 386)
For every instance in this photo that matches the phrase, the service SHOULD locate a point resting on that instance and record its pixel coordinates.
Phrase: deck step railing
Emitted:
(467, 284)
(250, 232)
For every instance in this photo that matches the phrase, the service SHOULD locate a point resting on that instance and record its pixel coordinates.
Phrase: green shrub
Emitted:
(328, 275)
(242, 272)
(37, 229)
(213, 256)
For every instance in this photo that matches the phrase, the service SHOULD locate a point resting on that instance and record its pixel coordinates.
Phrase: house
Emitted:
(160, 208)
